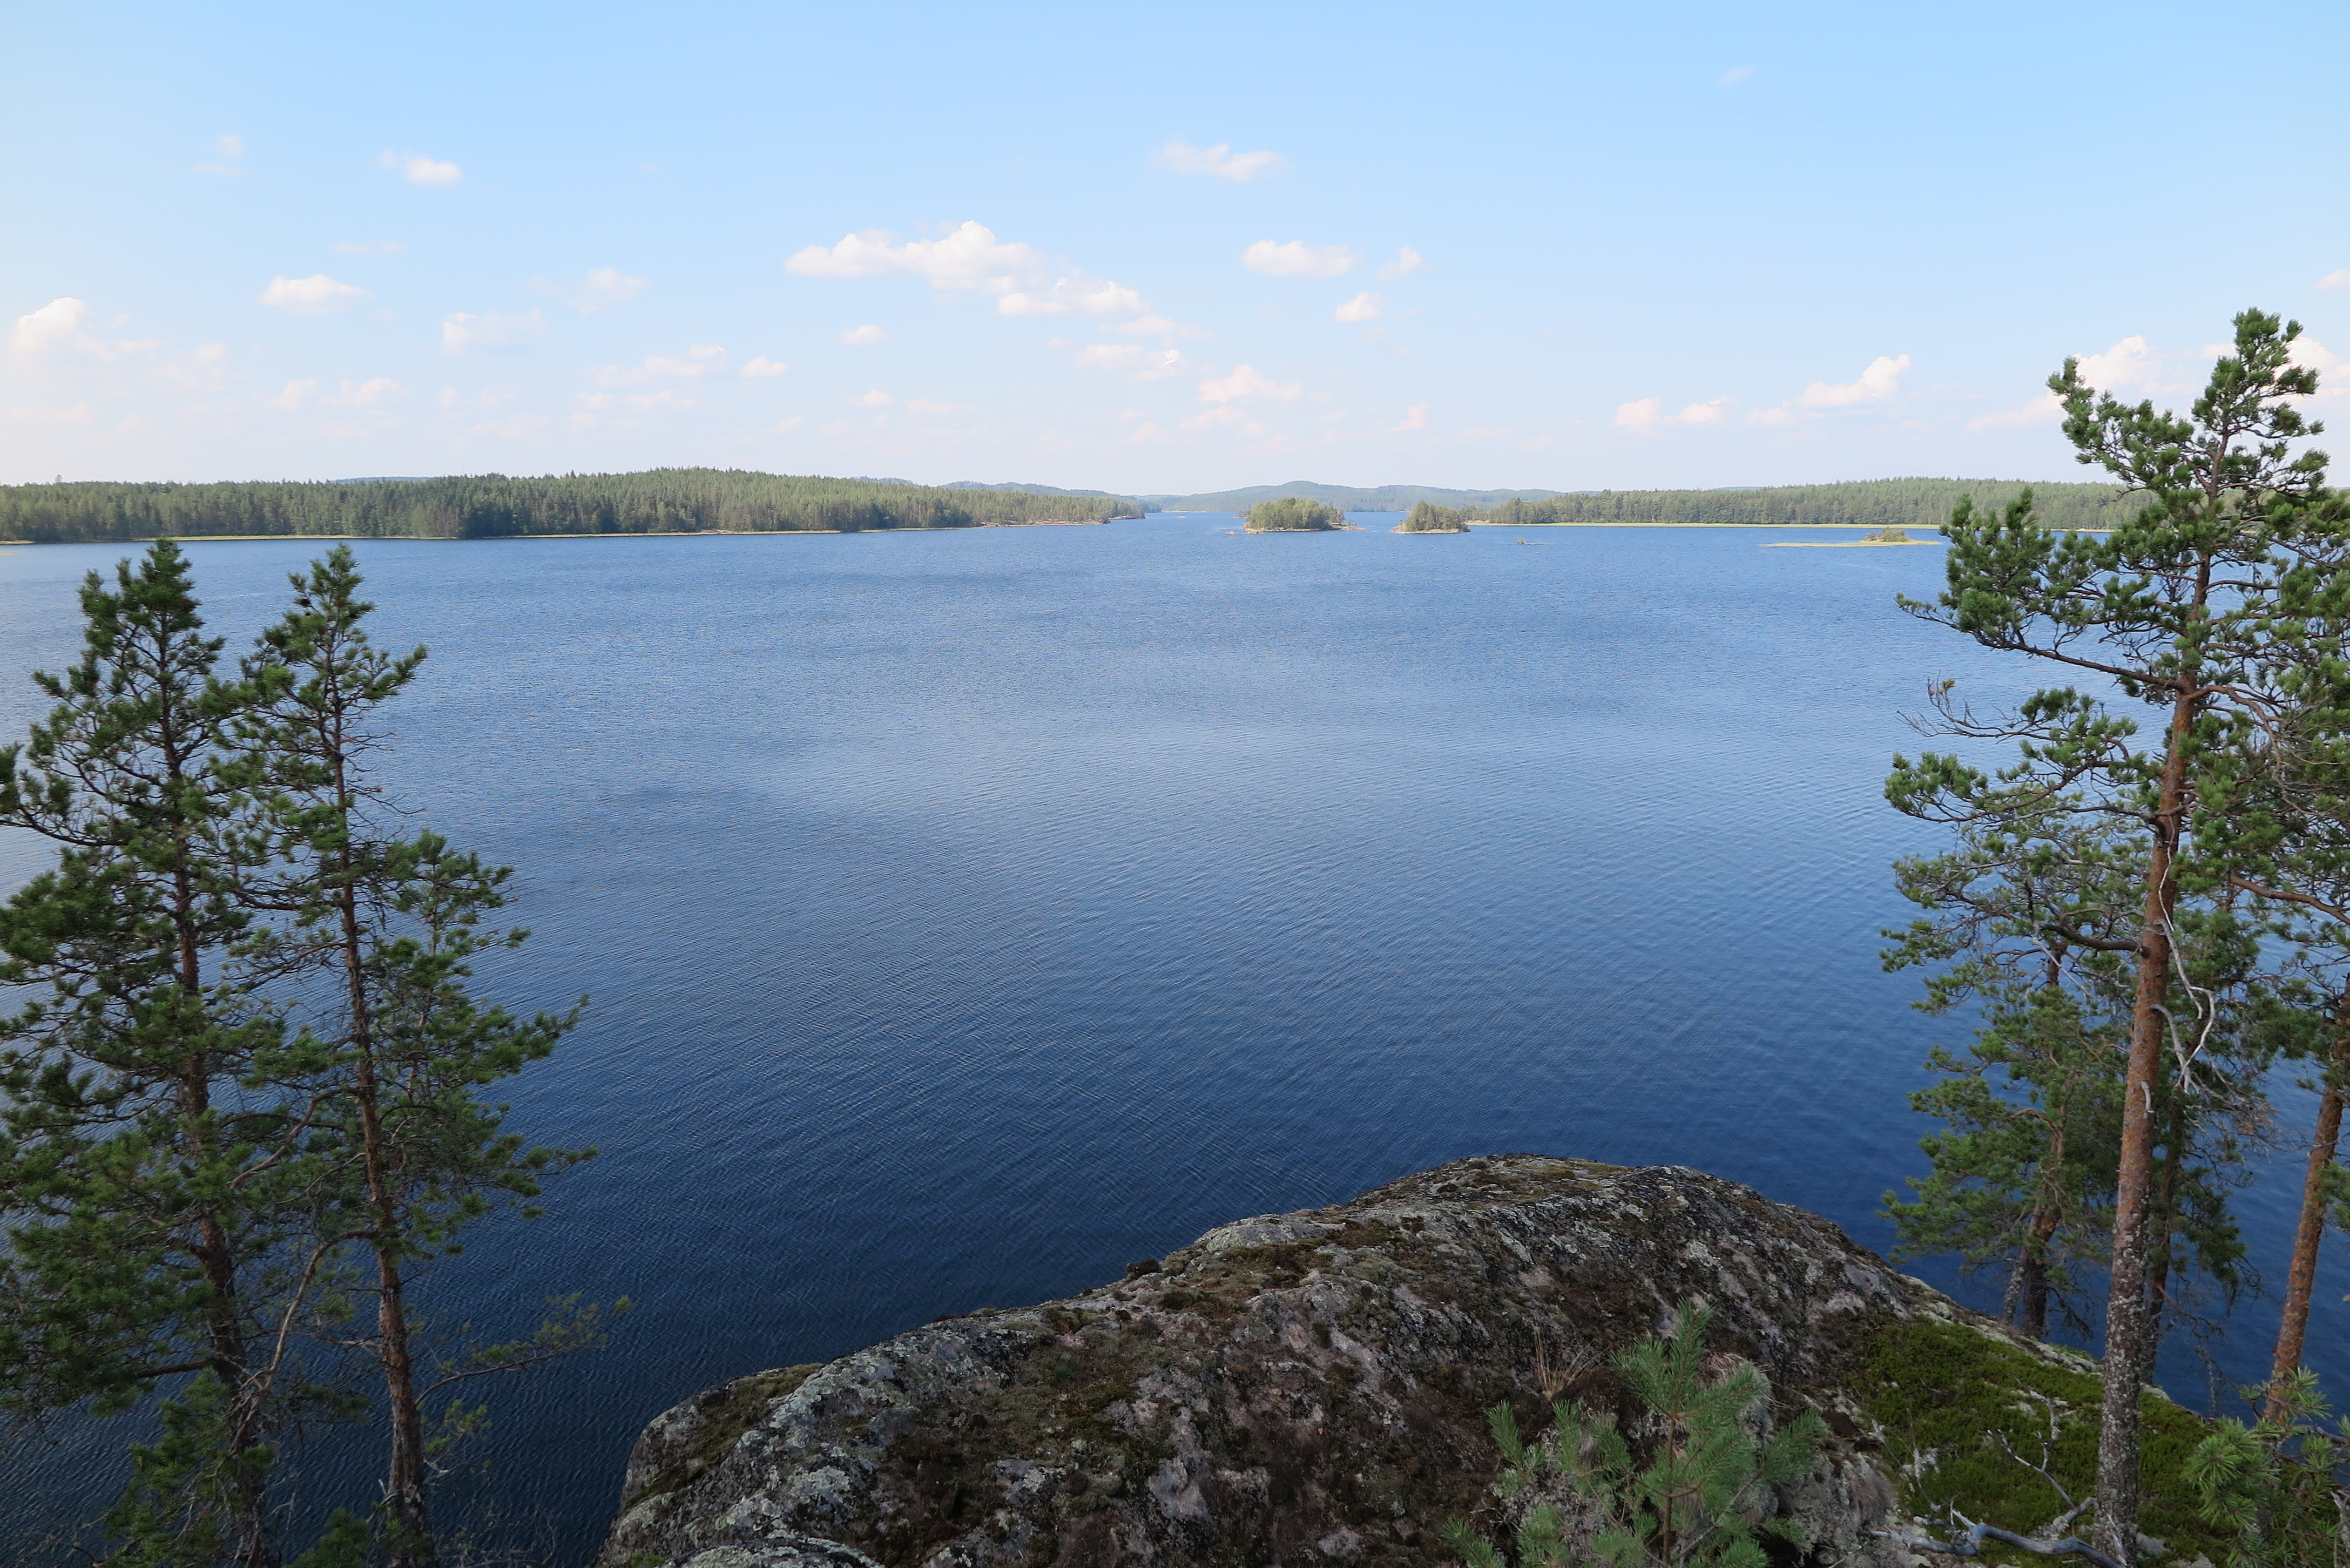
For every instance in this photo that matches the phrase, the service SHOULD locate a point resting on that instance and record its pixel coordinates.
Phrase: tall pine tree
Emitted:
(2176, 608)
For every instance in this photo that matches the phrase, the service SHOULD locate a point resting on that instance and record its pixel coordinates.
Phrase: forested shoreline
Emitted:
(1872, 502)
(494, 505)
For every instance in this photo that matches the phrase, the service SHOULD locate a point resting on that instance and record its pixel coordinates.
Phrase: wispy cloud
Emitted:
(970, 257)
(465, 333)
(1407, 262)
(1735, 74)
(876, 398)
(2339, 278)
(317, 294)
(1092, 296)
(698, 360)
(419, 170)
(1219, 162)
(864, 337)
(763, 368)
(226, 147)
(1143, 364)
(1297, 259)
(1247, 382)
(1364, 307)
(1414, 417)
(600, 290)
(1648, 416)
(299, 395)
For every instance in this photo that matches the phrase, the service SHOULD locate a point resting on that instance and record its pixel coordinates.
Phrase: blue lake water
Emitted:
(967, 914)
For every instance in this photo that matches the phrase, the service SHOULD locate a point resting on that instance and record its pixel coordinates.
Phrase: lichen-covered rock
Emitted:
(1297, 1388)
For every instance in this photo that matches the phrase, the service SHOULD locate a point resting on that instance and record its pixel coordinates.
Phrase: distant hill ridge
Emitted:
(1347, 498)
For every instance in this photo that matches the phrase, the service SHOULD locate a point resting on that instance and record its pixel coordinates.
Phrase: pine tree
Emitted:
(396, 920)
(2177, 607)
(154, 1159)
(1693, 1492)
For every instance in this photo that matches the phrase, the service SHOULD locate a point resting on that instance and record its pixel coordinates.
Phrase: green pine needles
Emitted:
(1690, 1487)
(242, 1109)
(2282, 1486)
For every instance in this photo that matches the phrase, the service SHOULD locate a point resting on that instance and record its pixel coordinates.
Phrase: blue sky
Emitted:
(1145, 249)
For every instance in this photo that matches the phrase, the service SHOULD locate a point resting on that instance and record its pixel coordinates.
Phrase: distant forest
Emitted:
(1877, 502)
(1345, 497)
(492, 505)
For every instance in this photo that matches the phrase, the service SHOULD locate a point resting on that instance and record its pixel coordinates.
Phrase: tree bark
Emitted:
(2126, 1304)
(2303, 1278)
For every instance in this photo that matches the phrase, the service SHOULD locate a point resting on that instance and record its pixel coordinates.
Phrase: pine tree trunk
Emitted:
(2303, 1278)
(2031, 1275)
(215, 1255)
(2125, 1302)
(2161, 1232)
(409, 1538)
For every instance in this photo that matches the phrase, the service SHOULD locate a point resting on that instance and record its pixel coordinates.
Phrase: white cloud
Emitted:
(971, 257)
(2128, 366)
(1149, 327)
(464, 333)
(760, 369)
(1297, 259)
(863, 336)
(1246, 382)
(1648, 416)
(2131, 365)
(2337, 279)
(1092, 296)
(600, 290)
(1735, 74)
(317, 294)
(1142, 364)
(230, 146)
(418, 169)
(1364, 307)
(924, 406)
(1881, 380)
(1219, 161)
(698, 359)
(368, 394)
(876, 398)
(369, 247)
(1414, 417)
(1407, 262)
(60, 331)
(299, 395)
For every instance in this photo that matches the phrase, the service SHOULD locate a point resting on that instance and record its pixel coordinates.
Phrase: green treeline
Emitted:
(1293, 514)
(1875, 502)
(492, 505)
(1428, 517)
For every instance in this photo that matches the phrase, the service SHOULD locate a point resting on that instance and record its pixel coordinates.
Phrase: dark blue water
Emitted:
(967, 914)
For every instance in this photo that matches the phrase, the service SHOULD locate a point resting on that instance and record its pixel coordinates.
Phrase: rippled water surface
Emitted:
(967, 914)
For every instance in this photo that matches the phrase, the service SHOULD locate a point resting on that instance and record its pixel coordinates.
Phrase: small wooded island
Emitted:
(1426, 517)
(1293, 514)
